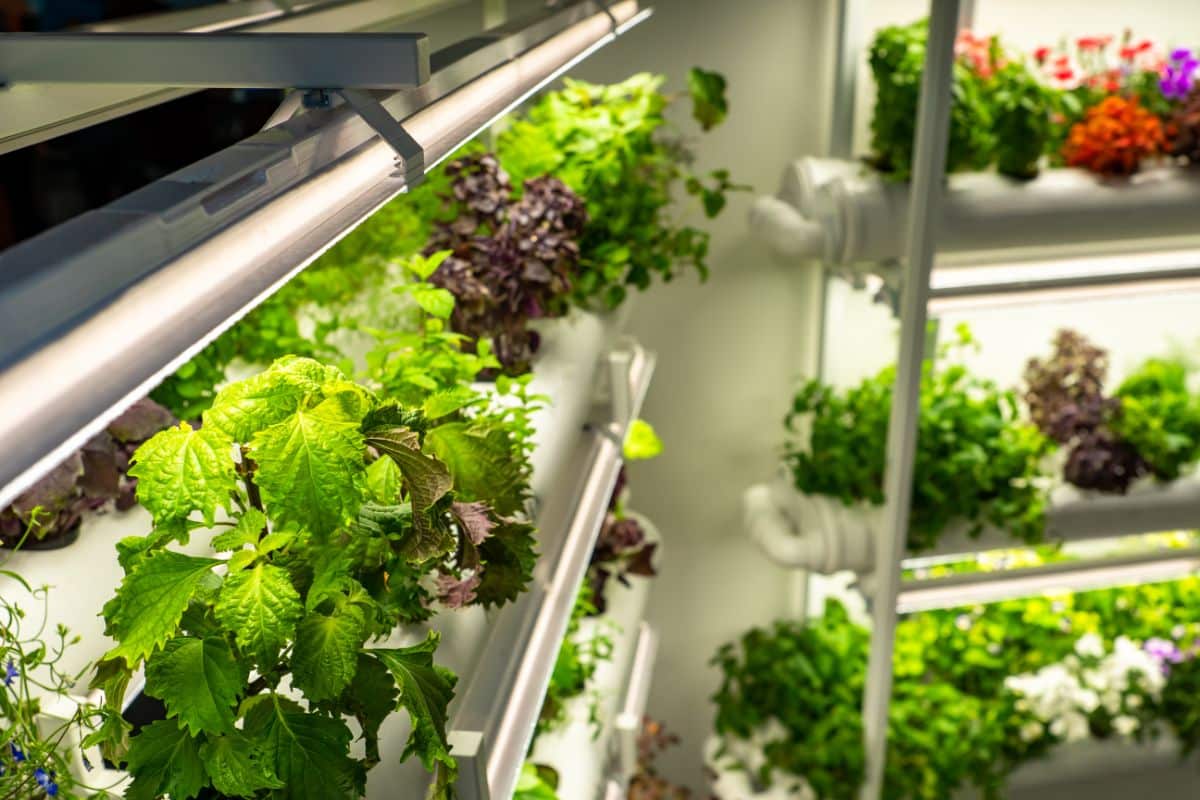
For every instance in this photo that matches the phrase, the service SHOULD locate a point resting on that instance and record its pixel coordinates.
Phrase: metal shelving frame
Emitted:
(890, 595)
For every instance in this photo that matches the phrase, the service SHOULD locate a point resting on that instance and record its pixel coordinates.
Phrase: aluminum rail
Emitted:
(492, 729)
(32, 113)
(990, 587)
(628, 725)
(929, 172)
(219, 60)
(94, 313)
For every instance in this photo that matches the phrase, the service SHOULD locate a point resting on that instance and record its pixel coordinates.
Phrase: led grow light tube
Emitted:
(96, 312)
(990, 587)
(955, 288)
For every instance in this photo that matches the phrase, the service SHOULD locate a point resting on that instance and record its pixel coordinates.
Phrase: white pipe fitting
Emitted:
(810, 532)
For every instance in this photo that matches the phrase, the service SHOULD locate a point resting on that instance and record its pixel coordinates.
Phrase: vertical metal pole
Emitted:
(929, 172)
(848, 38)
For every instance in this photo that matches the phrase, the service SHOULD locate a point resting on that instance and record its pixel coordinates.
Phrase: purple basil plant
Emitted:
(87, 480)
(1179, 74)
(512, 259)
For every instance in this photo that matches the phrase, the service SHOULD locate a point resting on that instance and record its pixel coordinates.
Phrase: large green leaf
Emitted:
(371, 698)
(426, 478)
(243, 408)
(709, 105)
(425, 692)
(236, 766)
(246, 531)
(482, 463)
(199, 681)
(261, 608)
(326, 652)
(151, 600)
(164, 759)
(311, 469)
(310, 752)
(182, 470)
(508, 560)
(383, 481)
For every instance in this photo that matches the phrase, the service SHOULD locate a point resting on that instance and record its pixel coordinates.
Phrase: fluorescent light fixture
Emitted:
(990, 587)
(1069, 279)
(96, 312)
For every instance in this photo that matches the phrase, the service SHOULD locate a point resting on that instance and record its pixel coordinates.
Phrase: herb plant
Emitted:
(897, 58)
(40, 756)
(979, 691)
(611, 145)
(976, 461)
(1159, 417)
(509, 260)
(49, 512)
(329, 507)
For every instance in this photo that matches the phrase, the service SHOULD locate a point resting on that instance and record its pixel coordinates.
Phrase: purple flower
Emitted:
(1164, 652)
(17, 753)
(1178, 74)
(10, 673)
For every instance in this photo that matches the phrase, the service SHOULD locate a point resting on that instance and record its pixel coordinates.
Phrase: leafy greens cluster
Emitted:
(511, 259)
(87, 480)
(329, 506)
(609, 145)
(976, 461)
(958, 718)
(1150, 426)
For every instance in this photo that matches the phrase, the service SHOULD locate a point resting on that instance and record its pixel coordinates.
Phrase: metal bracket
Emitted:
(408, 150)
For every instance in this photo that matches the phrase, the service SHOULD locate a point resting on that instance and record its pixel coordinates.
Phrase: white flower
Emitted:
(1031, 731)
(1178, 632)
(1071, 726)
(1090, 645)
(1125, 725)
(1134, 701)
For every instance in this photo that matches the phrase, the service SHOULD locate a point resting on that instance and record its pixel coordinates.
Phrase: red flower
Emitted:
(1064, 74)
(1087, 42)
(1127, 52)
(1062, 61)
(1144, 45)
(1040, 54)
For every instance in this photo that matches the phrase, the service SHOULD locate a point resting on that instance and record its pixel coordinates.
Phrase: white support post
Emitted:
(929, 173)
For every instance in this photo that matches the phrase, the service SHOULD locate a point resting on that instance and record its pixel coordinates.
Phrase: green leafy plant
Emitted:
(1159, 416)
(979, 691)
(536, 782)
(1024, 110)
(329, 506)
(41, 756)
(611, 145)
(976, 461)
(897, 58)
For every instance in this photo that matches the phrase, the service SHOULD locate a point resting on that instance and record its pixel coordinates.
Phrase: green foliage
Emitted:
(37, 758)
(709, 106)
(954, 721)
(1159, 416)
(897, 59)
(641, 442)
(976, 462)
(322, 547)
(1024, 110)
(609, 144)
(536, 782)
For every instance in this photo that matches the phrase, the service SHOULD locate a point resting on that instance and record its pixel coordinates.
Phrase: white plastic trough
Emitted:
(846, 213)
(588, 760)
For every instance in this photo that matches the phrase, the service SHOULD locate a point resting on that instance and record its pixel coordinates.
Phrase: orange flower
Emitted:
(1114, 136)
